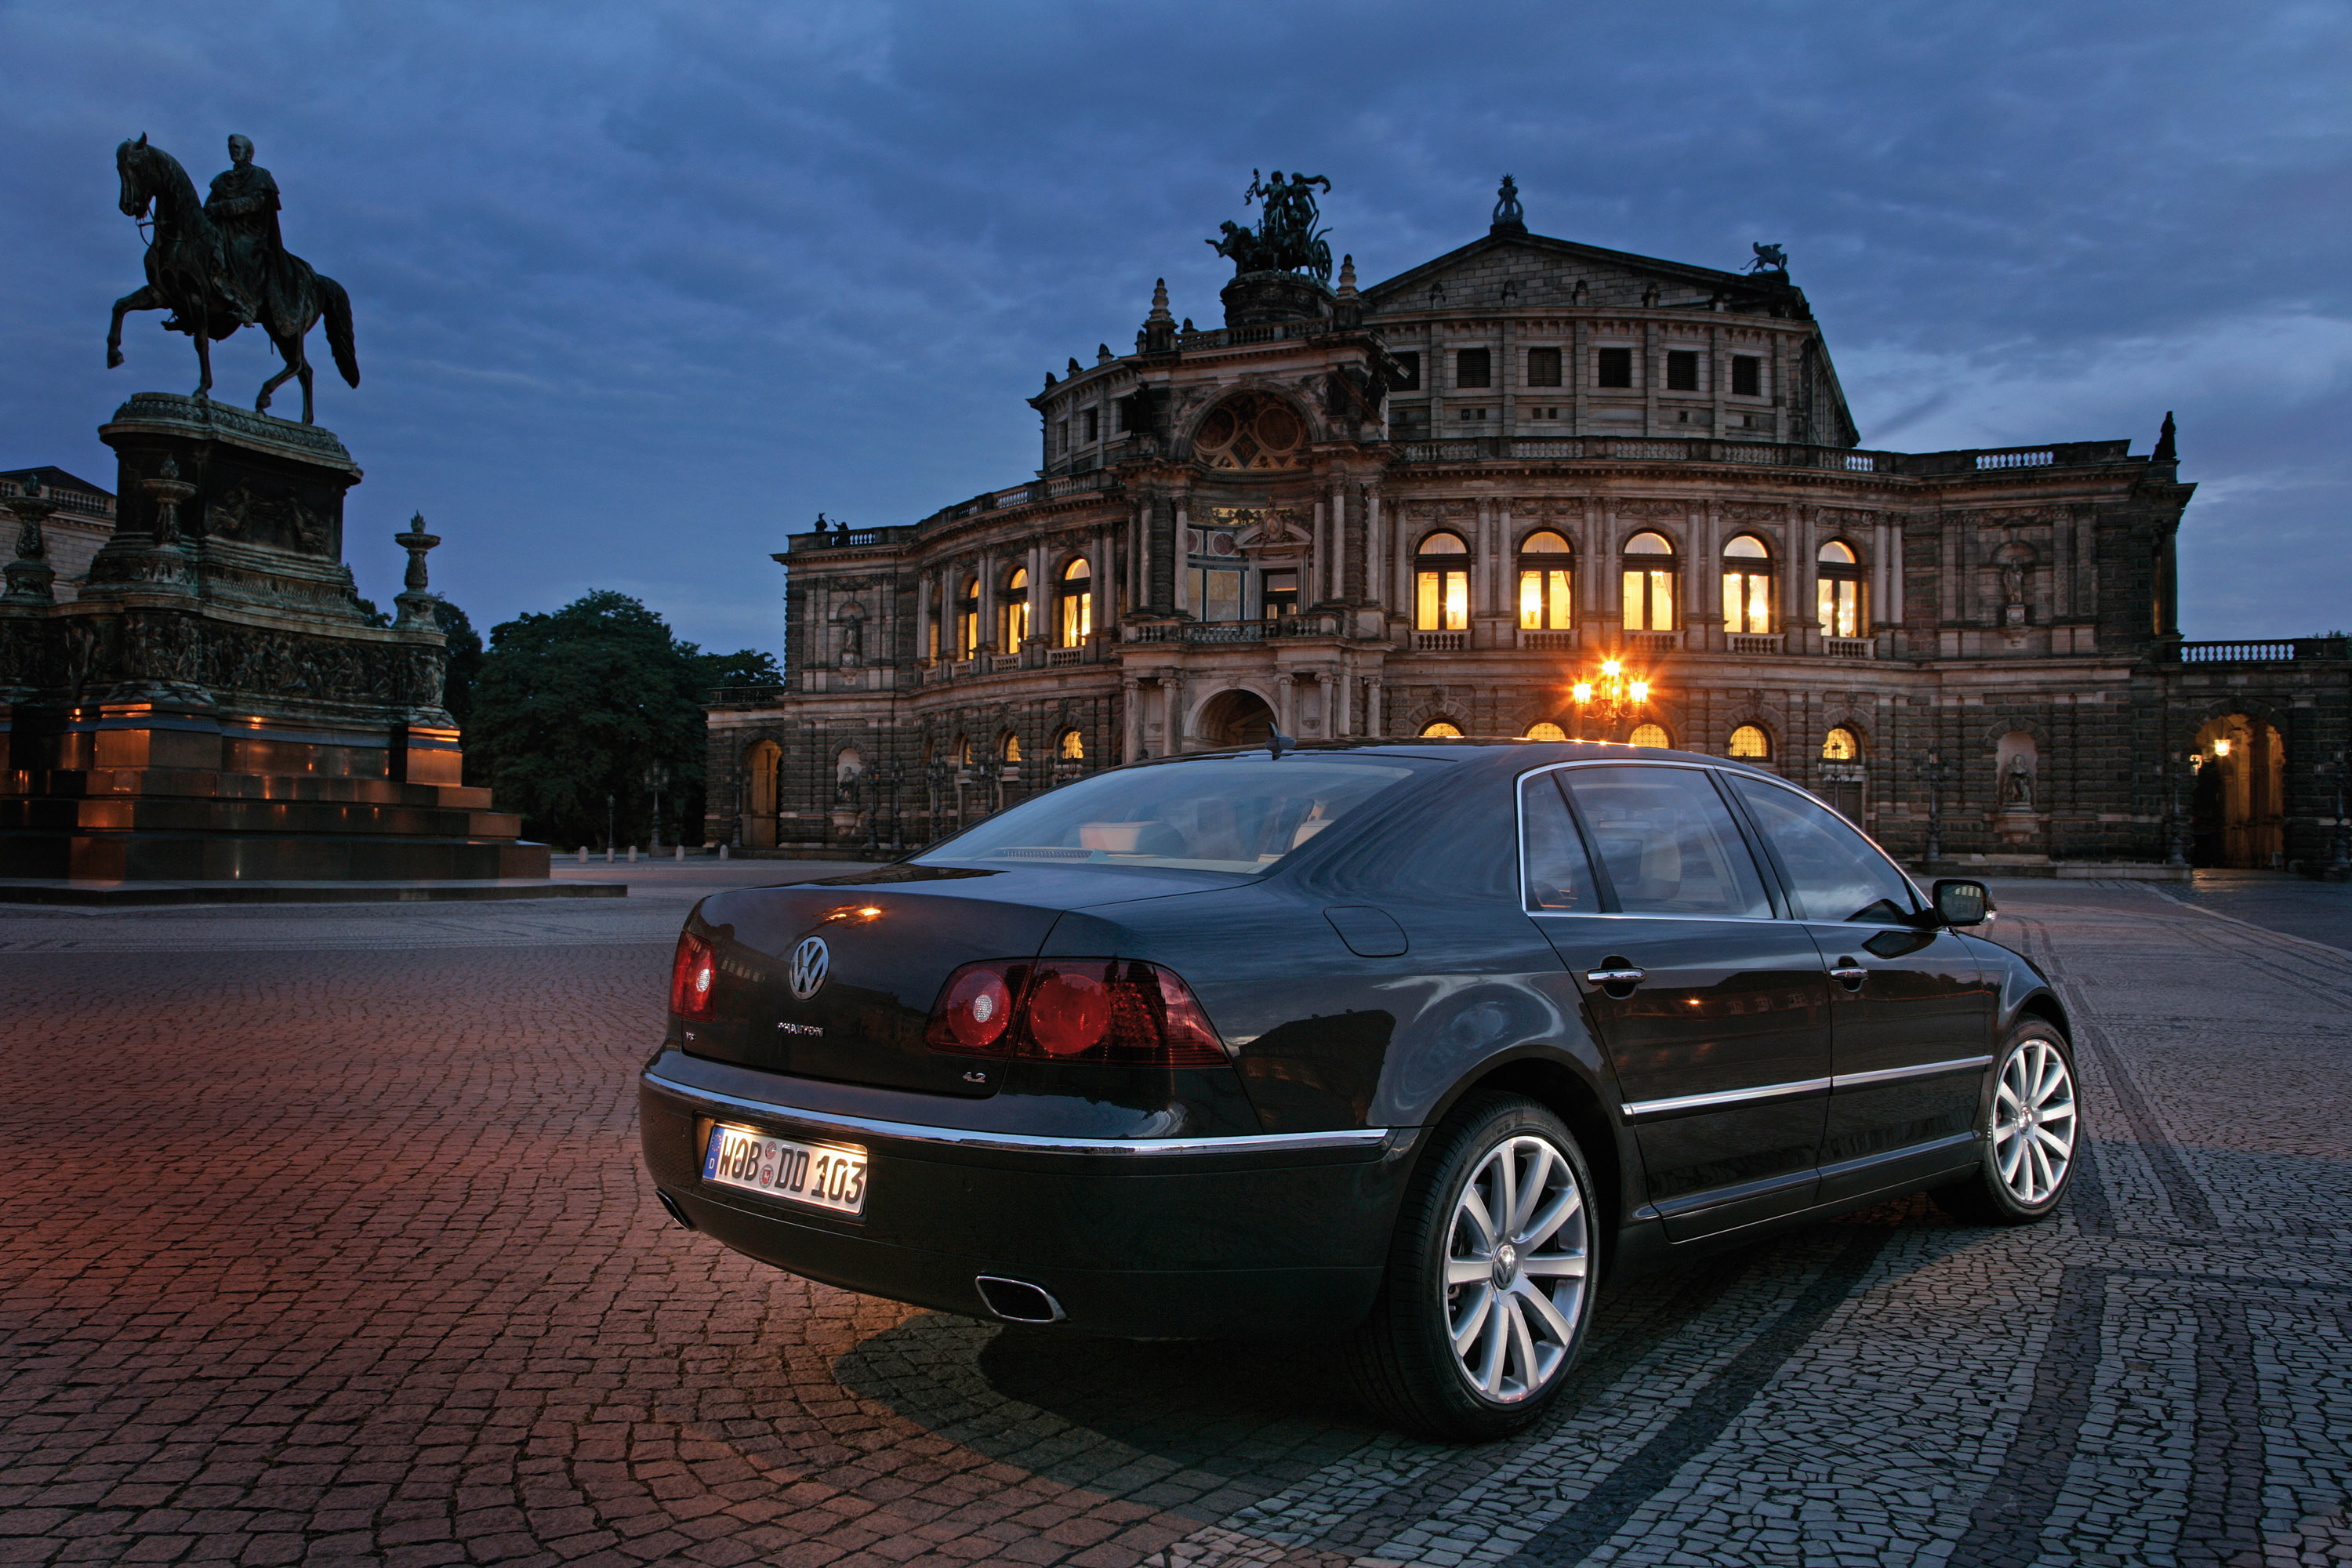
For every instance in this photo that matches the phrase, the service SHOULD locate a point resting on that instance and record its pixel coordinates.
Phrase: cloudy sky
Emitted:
(641, 287)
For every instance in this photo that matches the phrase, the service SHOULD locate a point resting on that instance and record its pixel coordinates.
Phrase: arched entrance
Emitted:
(2237, 816)
(763, 761)
(1234, 719)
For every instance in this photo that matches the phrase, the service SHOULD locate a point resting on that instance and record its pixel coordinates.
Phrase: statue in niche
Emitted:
(2017, 784)
(853, 640)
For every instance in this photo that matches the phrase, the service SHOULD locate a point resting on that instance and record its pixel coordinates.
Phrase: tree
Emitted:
(463, 646)
(579, 706)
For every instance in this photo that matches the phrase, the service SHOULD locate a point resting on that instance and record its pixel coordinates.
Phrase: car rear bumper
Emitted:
(1146, 1238)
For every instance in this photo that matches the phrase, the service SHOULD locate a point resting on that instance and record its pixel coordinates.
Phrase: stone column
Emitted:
(987, 570)
(1375, 716)
(1171, 713)
(1341, 716)
(1103, 590)
(1895, 572)
(1286, 702)
(1376, 558)
(1040, 605)
(1339, 588)
(1312, 591)
(922, 615)
(1131, 725)
(1180, 556)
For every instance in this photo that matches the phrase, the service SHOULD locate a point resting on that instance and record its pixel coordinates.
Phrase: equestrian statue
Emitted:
(219, 264)
(1286, 239)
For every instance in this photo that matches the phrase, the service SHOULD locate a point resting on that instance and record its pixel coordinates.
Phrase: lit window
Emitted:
(1011, 748)
(1649, 578)
(1652, 735)
(1072, 746)
(1543, 368)
(1076, 620)
(967, 618)
(1750, 742)
(1747, 585)
(963, 752)
(1843, 605)
(1471, 368)
(1439, 727)
(1840, 746)
(1547, 582)
(1546, 733)
(1013, 617)
(1281, 593)
(1442, 584)
(1614, 367)
(1682, 369)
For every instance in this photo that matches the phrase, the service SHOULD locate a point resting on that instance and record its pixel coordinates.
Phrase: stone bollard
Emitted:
(583, 854)
(633, 854)
(722, 852)
(608, 854)
(681, 853)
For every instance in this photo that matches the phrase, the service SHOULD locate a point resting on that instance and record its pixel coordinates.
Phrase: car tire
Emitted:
(2033, 1129)
(1473, 1331)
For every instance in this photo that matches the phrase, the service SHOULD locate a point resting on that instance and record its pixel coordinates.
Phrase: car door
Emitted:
(1910, 1015)
(1714, 1011)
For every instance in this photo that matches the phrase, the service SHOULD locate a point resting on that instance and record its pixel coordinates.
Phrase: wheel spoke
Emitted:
(1504, 1164)
(1556, 1266)
(1539, 1229)
(1523, 1343)
(1499, 1341)
(1469, 1270)
(2011, 1152)
(1473, 1209)
(2056, 1145)
(1536, 1177)
(1545, 1308)
(1466, 1326)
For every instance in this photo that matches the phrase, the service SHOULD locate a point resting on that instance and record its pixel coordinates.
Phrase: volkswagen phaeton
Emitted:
(1412, 1044)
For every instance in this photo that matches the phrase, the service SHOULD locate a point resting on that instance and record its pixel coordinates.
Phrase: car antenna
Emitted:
(1277, 743)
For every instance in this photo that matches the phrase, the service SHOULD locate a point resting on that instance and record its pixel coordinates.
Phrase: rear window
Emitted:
(1220, 813)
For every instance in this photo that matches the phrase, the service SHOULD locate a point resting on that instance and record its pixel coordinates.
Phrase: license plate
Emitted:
(830, 1176)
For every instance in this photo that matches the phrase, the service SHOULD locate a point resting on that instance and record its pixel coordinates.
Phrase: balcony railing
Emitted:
(1755, 643)
(1440, 642)
(1533, 641)
(1847, 647)
(1769, 454)
(1654, 642)
(2286, 650)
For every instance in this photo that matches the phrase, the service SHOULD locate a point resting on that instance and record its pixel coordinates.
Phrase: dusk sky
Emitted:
(640, 288)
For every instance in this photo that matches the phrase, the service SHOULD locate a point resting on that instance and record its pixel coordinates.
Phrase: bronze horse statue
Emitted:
(185, 264)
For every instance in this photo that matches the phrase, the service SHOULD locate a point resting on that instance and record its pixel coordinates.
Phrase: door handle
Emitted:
(1627, 976)
(1849, 974)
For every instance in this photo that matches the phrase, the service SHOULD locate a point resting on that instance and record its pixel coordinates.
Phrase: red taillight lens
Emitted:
(694, 979)
(1074, 1009)
(974, 1010)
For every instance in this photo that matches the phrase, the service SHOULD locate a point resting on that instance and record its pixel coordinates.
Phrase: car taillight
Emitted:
(1074, 1009)
(694, 979)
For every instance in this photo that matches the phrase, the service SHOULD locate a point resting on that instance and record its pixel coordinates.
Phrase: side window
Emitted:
(1559, 877)
(1833, 872)
(1667, 843)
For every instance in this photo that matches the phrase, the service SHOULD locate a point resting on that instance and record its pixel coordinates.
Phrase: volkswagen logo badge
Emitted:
(809, 963)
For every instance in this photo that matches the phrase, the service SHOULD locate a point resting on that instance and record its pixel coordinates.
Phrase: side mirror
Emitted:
(1960, 902)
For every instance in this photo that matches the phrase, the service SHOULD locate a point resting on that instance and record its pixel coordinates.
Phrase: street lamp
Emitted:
(656, 776)
(1933, 771)
(1611, 699)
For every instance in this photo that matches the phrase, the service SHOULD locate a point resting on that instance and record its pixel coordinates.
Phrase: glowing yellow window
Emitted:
(1648, 577)
(1441, 728)
(1747, 587)
(1843, 605)
(1014, 629)
(1011, 748)
(1547, 582)
(1838, 746)
(1752, 743)
(1073, 746)
(1652, 735)
(1442, 584)
(1546, 733)
(1077, 608)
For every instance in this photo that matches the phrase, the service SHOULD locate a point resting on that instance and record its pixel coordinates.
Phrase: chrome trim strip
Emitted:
(969, 1138)
(1862, 1162)
(1728, 1096)
(1925, 1069)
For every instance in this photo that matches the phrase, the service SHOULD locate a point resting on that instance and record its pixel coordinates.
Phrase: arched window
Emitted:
(1011, 748)
(963, 752)
(1648, 584)
(1013, 615)
(1072, 746)
(1652, 735)
(967, 618)
(1747, 585)
(1546, 731)
(1844, 607)
(1442, 584)
(1074, 622)
(1752, 743)
(1840, 746)
(1440, 727)
(1547, 582)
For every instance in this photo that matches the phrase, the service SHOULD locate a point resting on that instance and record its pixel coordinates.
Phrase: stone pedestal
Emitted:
(1262, 299)
(215, 704)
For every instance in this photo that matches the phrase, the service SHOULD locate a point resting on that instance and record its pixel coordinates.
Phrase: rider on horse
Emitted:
(244, 206)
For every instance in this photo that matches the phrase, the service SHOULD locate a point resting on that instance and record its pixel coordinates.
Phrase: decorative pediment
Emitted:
(1266, 533)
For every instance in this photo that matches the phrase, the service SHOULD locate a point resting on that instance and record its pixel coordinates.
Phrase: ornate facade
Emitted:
(1490, 496)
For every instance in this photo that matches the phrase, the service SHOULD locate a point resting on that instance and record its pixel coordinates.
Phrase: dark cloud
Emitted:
(640, 287)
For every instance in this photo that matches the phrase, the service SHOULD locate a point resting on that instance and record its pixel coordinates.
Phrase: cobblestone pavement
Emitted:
(322, 1239)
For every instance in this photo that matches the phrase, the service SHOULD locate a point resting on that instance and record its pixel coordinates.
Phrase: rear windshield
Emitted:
(1219, 814)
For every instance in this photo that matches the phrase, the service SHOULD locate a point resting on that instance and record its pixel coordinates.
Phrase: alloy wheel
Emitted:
(2034, 1122)
(1517, 1262)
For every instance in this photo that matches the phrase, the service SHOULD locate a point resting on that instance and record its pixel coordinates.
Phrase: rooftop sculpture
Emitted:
(1286, 239)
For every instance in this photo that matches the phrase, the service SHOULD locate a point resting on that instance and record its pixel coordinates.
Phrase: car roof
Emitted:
(1467, 748)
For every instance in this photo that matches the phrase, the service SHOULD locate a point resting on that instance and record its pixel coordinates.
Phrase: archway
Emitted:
(2237, 816)
(1234, 719)
(763, 763)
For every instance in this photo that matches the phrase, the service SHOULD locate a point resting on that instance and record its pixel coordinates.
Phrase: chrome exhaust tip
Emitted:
(1017, 1300)
(670, 1206)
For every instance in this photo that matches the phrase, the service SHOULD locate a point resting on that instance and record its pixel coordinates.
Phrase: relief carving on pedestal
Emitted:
(251, 513)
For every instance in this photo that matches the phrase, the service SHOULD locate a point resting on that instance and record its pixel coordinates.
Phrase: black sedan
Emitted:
(1416, 1042)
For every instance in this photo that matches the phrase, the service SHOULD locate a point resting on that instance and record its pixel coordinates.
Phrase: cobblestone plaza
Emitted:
(325, 1240)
